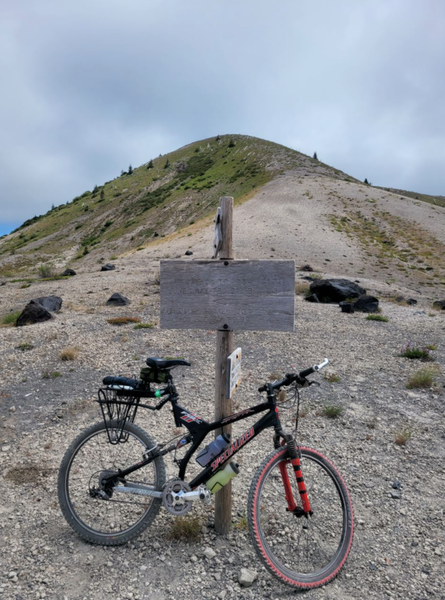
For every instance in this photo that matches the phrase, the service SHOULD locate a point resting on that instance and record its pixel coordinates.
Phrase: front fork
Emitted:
(306, 509)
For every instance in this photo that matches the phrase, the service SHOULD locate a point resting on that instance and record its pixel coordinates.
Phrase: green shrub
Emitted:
(46, 271)
(377, 318)
(415, 352)
(25, 346)
(143, 326)
(332, 411)
(11, 318)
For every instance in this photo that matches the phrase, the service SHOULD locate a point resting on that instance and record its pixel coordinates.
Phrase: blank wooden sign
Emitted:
(255, 295)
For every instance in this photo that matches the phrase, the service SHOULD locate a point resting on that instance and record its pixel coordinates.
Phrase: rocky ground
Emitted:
(397, 490)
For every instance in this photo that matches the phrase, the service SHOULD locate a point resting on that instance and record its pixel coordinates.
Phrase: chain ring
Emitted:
(174, 505)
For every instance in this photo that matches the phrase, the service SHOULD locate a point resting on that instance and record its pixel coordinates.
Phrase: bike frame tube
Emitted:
(199, 429)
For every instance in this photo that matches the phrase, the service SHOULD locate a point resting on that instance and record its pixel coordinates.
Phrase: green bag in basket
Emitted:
(150, 375)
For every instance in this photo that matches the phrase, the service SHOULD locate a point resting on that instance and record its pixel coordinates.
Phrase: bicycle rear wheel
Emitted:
(90, 457)
(301, 552)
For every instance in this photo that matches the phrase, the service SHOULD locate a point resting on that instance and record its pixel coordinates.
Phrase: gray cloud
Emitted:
(90, 87)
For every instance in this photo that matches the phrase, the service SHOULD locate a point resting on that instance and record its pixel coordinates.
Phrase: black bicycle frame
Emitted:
(199, 429)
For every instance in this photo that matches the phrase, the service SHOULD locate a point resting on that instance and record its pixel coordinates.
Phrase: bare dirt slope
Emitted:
(397, 490)
(338, 227)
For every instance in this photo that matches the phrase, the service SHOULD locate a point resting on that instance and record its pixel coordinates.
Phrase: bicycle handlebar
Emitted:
(291, 377)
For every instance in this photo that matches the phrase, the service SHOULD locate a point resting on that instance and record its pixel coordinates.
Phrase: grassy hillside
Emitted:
(155, 199)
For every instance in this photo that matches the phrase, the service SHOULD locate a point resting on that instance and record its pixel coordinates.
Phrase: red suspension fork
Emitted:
(301, 486)
(291, 506)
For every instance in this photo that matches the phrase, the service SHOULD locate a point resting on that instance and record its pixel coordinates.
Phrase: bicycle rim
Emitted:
(302, 552)
(94, 457)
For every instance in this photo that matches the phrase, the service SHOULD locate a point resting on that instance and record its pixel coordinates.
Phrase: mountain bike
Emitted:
(112, 480)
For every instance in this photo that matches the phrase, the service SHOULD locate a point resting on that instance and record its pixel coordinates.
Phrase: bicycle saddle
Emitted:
(161, 363)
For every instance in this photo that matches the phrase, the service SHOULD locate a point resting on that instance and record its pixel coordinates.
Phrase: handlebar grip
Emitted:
(307, 372)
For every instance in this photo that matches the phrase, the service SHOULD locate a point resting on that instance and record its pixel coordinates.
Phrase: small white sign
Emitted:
(233, 371)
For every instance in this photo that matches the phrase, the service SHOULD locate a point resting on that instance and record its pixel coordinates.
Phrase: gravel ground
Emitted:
(397, 491)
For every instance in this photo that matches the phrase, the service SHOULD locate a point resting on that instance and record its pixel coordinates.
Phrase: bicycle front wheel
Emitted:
(302, 552)
(96, 517)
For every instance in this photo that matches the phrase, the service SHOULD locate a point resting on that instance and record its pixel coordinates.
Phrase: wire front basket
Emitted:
(118, 408)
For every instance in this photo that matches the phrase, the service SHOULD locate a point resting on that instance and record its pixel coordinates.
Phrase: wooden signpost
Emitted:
(225, 295)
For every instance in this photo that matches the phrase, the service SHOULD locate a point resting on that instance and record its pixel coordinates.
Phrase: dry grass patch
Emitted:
(332, 377)
(123, 320)
(185, 528)
(301, 288)
(423, 378)
(69, 354)
(401, 436)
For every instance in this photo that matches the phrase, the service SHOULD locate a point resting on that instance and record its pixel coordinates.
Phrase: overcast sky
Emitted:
(91, 86)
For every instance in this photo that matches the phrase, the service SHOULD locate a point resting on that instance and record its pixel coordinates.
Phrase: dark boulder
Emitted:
(312, 298)
(69, 273)
(367, 304)
(188, 253)
(306, 268)
(411, 301)
(51, 303)
(117, 300)
(335, 290)
(346, 307)
(33, 313)
(108, 267)
(439, 304)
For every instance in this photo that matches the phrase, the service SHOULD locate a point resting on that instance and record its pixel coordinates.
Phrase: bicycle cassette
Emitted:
(172, 497)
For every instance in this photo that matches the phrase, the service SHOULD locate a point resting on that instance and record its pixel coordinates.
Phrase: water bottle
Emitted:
(213, 449)
(221, 477)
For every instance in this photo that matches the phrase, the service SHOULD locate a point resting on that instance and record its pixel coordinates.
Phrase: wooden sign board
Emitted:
(244, 295)
(233, 371)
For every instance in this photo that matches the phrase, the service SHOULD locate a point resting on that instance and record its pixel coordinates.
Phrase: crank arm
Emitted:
(201, 493)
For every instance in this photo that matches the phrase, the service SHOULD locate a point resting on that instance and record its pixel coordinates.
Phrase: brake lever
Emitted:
(302, 382)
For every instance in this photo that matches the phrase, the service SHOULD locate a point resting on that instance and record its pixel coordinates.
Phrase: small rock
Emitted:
(108, 267)
(188, 253)
(6, 448)
(246, 577)
(439, 304)
(396, 495)
(366, 303)
(306, 268)
(69, 273)
(194, 558)
(396, 485)
(209, 553)
(117, 300)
